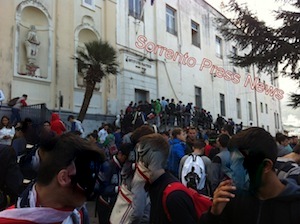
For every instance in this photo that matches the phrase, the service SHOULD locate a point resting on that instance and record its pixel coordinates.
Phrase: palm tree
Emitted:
(99, 59)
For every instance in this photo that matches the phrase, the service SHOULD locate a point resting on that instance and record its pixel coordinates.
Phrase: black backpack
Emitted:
(13, 101)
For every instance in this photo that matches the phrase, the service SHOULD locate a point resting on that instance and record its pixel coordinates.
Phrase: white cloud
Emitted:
(291, 120)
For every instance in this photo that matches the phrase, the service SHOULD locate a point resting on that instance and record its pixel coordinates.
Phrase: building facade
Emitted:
(174, 49)
(38, 42)
(170, 48)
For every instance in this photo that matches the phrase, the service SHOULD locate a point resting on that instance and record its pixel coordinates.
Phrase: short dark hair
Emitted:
(257, 142)
(296, 149)
(281, 138)
(126, 148)
(70, 117)
(25, 95)
(176, 131)
(66, 149)
(199, 144)
(140, 132)
(223, 140)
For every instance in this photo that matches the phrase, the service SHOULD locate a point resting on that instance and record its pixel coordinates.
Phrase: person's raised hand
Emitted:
(222, 196)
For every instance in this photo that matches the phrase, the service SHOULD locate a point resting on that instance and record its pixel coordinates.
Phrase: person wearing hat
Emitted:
(268, 199)
(65, 180)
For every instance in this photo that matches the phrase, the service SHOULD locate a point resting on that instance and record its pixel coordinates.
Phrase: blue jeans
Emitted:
(15, 115)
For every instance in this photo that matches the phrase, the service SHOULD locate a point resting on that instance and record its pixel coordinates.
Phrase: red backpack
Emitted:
(201, 202)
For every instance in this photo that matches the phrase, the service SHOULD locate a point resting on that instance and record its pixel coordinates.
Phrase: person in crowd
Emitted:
(283, 144)
(19, 141)
(135, 182)
(57, 125)
(62, 186)
(102, 134)
(198, 150)
(227, 129)
(111, 182)
(268, 199)
(192, 135)
(31, 134)
(118, 136)
(93, 138)
(288, 165)
(153, 152)
(220, 163)
(172, 108)
(76, 125)
(177, 150)
(294, 141)
(46, 126)
(10, 177)
(15, 110)
(7, 131)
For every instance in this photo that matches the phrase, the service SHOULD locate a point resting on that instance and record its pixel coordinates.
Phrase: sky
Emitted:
(264, 11)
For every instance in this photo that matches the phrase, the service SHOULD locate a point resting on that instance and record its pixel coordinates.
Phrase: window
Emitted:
(135, 8)
(89, 4)
(268, 128)
(266, 108)
(261, 107)
(250, 111)
(275, 119)
(238, 108)
(277, 116)
(171, 20)
(222, 104)
(198, 97)
(195, 34)
(219, 53)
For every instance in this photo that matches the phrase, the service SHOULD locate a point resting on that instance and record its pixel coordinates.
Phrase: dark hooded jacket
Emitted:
(247, 209)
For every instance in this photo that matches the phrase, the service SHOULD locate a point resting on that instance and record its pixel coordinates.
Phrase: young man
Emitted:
(15, 110)
(192, 136)
(268, 200)
(177, 150)
(220, 163)
(198, 150)
(102, 134)
(76, 125)
(110, 182)
(66, 178)
(153, 151)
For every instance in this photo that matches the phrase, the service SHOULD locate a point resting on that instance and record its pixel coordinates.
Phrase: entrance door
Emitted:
(141, 95)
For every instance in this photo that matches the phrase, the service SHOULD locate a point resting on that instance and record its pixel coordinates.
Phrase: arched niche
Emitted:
(31, 15)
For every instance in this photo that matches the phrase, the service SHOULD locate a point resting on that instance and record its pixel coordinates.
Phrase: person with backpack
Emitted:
(268, 199)
(171, 201)
(16, 108)
(200, 164)
(220, 163)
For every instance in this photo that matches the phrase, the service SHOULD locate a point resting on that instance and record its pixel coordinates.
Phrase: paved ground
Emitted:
(91, 210)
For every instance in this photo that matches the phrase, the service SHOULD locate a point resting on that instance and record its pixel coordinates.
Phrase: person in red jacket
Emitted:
(57, 125)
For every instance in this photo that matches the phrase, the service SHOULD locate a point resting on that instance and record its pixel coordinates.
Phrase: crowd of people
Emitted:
(138, 172)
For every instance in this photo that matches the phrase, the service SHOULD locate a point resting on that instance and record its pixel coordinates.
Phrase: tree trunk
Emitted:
(89, 89)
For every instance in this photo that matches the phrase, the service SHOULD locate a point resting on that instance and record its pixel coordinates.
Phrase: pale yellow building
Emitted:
(38, 40)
